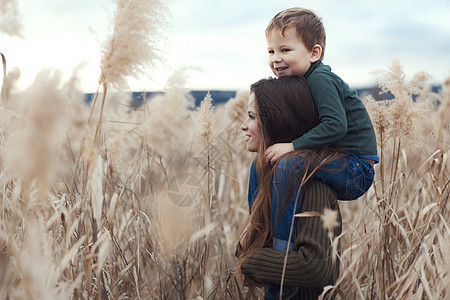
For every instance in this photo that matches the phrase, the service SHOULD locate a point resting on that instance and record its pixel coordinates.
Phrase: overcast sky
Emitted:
(223, 40)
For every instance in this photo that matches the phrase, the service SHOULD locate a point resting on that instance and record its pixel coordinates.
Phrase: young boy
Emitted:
(296, 46)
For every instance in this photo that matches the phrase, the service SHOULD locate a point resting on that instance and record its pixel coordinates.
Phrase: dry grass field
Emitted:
(110, 201)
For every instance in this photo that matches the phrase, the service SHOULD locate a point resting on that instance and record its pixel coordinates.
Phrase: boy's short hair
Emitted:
(307, 23)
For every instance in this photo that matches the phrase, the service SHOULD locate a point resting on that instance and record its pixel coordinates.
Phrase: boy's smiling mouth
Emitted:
(280, 70)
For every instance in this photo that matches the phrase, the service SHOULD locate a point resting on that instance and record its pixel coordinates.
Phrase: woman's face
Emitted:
(251, 126)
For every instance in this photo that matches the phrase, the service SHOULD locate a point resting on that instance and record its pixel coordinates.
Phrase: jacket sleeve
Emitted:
(310, 264)
(328, 97)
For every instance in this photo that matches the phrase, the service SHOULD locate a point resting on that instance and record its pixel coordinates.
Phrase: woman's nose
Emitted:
(244, 126)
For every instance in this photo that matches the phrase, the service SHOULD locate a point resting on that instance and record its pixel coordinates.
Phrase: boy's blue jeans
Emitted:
(350, 176)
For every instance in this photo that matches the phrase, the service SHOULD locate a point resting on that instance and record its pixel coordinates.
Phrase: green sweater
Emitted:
(310, 265)
(342, 115)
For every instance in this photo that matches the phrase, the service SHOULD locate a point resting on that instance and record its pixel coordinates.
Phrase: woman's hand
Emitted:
(274, 152)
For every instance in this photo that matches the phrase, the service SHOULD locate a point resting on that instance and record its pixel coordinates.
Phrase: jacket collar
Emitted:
(313, 66)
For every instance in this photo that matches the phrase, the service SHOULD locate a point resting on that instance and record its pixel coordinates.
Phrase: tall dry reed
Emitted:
(10, 23)
(397, 234)
(133, 45)
(110, 202)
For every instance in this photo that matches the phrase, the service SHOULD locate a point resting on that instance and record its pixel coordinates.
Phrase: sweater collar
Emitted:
(313, 66)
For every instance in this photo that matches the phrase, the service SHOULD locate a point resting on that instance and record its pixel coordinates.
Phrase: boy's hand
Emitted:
(274, 152)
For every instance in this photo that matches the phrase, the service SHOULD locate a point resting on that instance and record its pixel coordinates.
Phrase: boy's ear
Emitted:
(316, 53)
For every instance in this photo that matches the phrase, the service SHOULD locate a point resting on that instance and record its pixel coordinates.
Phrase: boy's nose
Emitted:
(276, 58)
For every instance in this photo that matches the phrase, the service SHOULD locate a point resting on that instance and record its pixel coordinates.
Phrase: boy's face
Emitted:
(287, 54)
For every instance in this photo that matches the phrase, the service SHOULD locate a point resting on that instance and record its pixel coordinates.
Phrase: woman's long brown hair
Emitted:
(285, 111)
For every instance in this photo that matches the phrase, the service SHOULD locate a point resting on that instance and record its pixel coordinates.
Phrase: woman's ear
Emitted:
(316, 53)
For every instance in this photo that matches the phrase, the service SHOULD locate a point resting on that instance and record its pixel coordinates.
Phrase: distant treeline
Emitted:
(223, 96)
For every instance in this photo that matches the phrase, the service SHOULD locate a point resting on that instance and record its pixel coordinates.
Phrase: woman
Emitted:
(281, 110)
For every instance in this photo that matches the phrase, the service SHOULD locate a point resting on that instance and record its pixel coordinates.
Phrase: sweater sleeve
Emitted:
(310, 264)
(327, 94)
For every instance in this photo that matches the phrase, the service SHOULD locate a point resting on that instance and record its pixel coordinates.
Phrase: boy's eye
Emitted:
(285, 50)
(271, 52)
